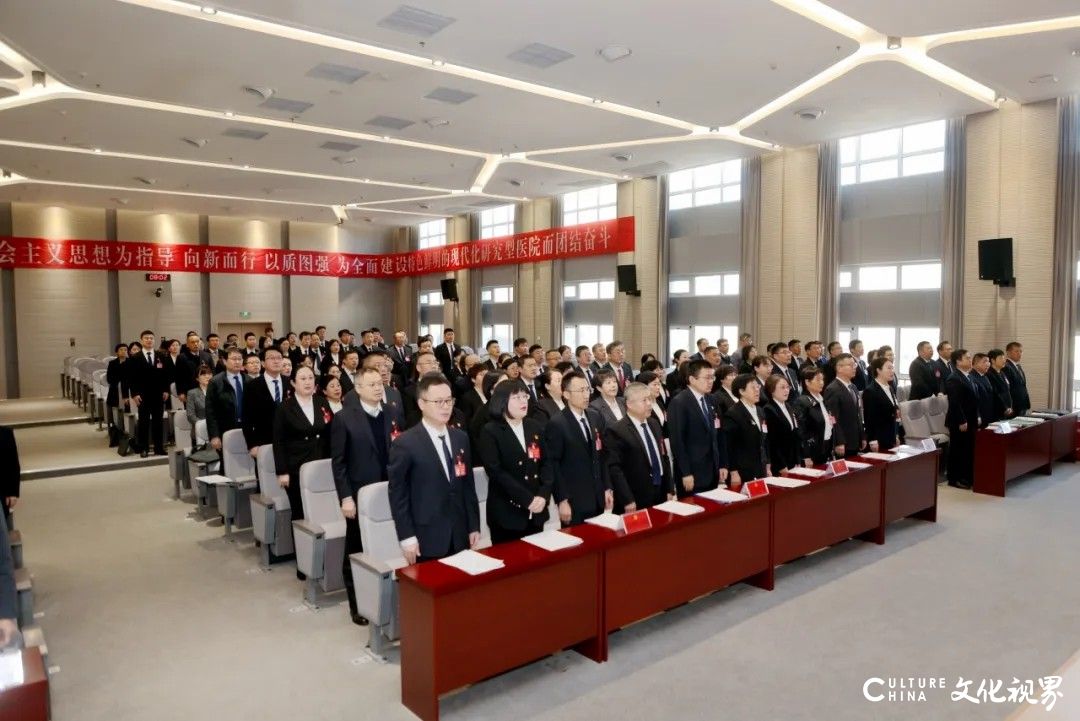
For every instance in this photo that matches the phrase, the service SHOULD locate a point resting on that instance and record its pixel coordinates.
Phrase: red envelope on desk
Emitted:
(636, 521)
(754, 489)
(838, 467)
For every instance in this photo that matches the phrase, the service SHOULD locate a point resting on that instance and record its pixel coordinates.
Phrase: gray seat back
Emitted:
(936, 409)
(237, 463)
(182, 431)
(913, 418)
(377, 531)
(268, 483)
(202, 436)
(481, 477)
(319, 496)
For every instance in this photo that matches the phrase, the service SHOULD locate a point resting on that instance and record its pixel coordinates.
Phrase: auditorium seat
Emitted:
(239, 467)
(100, 393)
(16, 543)
(271, 514)
(373, 568)
(913, 417)
(320, 536)
(24, 597)
(178, 466)
(200, 465)
(936, 409)
(480, 475)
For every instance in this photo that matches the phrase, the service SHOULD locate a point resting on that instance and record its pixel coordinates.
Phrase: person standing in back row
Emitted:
(148, 384)
(963, 421)
(1014, 373)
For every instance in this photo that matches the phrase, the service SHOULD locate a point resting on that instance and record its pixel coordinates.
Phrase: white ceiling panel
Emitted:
(700, 60)
(1010, 65)
(537, 181)
(451, 205)
(149, 132)
(104, 170)
(159, 56)
(873, 96)
(924, 17)
(656, 158)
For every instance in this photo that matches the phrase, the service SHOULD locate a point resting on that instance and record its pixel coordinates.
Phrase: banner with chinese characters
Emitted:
(607, 236)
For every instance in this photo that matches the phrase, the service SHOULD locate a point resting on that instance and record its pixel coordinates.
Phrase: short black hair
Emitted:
(877, 364)
(146, 332)
(249, 334)
(535, 347)
(234, 351)
(647, 377)
(491, 343)
(994, 354)
(852, 343)
(119, 346)
(741, 381)
(696, 366)
(212, 335)
(490, 380)
(957, 355)
(351, 351)
(445, 331)
(571, 376)
(1013, 344)
(602, 375)
(942, 344)
(319, 328)
(519, 341)
(430, 380)
(270, 349)
(500, 398)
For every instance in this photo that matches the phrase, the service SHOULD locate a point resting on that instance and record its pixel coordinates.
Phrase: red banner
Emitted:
(608, 236)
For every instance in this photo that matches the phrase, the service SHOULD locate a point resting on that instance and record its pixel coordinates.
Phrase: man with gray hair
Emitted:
(638, 463)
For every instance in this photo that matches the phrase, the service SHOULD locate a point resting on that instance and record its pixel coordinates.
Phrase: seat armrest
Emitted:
(261, 500)
(311, 529)
(370, 563)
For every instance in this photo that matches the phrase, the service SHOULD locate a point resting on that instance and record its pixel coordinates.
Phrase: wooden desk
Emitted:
(30, 700)
(457, 629)
(910, 487)
(1001, 457)
(1063, 438)
(683, 557)
(826, 511)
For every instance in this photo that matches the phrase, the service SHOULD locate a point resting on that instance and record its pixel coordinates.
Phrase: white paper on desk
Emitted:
(908, 450)
(472, 563)
(607, 520)
(810, 472)
(856, 466)
(11, 669)
(785, 482)
(553, 540)
(723, 495)
(679, 508)
(214, 480)
(881, 456)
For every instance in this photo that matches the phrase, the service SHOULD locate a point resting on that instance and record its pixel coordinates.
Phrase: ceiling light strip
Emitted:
(946, 75)
(266, 27)
(830, 18)
(1001, 31)
(567, 168)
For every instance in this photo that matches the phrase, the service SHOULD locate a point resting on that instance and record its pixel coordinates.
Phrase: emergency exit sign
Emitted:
(245, 314)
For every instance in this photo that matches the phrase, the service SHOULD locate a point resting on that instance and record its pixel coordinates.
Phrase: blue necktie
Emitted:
(705, 410)
(585, 426)
(239, 387)
(654, 461)
(449, 459)
(277, 392)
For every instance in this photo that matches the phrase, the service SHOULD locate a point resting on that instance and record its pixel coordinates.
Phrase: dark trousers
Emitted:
(702, 482)
(150, 425)
(293, 492)
(502, 535)
(353, 545)
(961, 464)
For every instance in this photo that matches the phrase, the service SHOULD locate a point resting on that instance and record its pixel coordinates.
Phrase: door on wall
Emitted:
(254, 326)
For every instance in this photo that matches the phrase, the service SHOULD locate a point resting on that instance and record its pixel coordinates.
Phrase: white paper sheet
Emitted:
(723, 495)
(909, 450)
(881, 456)
(785, 482)
(679, 508)
(856, 466)
(472, 563)
(809, 472)
(607, 520)
(11, 669)
(213, 480)
(553, 540)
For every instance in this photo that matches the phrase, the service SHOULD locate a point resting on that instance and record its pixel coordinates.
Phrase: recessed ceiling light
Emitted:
(893, 43)
(622, 157)
(597, 101)
(37, 78)
(436, 122)
(1048, 79)
(344, 159)
(438, 63)
(197, 142)
(97, 150)
(229, 113)
(1000, 99)
(809, 113)
(423, 206)
(515, 182)
(611, 53)
(146, 181)
(120, 201)
(207, 10)
(247, 167)
(714, 129)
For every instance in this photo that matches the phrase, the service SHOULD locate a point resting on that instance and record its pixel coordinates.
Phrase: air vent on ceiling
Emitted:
(339, 146)
(437, 122)
(488, 204)
(450, 95)
(145, 180)
(344, 159)
(516, 182)
(415, 21)
(539, 55)
(197, 142)
(285, 105)
(336, 73)
(245, 133)
(259, 91)
(658, 168)
(387, 121)
(809, 113)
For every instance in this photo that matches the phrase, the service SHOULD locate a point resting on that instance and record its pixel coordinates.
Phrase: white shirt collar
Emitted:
(372, 411)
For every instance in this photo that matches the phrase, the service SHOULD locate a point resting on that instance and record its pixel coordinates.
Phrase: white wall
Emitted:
(231, 293)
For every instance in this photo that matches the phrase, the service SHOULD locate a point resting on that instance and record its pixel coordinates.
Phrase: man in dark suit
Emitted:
(1003, 402)
(842, 401)
(944, 350)
(350, 367)
(400, 354)
(616, 355)
(701, 460)
(638, 463)
(148, 383)
(360, 440)
(781, 366)
(10, 472)
(367, 343)
(925, 375)
(1014, 372)
(262, 398)
(225, 398)
(530, 374)
(962, 420)
(410, 397)
(862, 378)
(984, 390)
(215, 353)
(581, 485)
(251, 345)
(600, 359)
(795, 346)
(493, 353)
(702, 344)
(432, 489)
(187, 365)
(345, 337)
(444, 352)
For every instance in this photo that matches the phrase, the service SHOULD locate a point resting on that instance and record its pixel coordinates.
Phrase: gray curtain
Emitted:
(749, 273)
(663, 351)
(476, 278)
(953, 210)
(828, 240)
(1066, 251)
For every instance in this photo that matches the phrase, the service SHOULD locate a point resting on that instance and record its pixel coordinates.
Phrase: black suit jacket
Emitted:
(579, 470)
(469, 402)
(697, 445)
(963, 403)
(879, 416)
(601, 407)
(445, 358)
(747, 446)
(925, 379)
(116, 377)
(1021, 401)
(401, 359)
(629, 465)
(259, 411)
(515, 476)
(848, 430)
(10, 470)
(146, 380)
(790, 376)
(549, 409)
(812, 424)
(944, 370)
(356, 461)
(221, 405)
(862, 379)
(439, 513)
(1002, 395)
(985, 393)
(297, 441)
(784, 442)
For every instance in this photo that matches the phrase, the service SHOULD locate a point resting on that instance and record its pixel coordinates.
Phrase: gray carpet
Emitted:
(151, 615)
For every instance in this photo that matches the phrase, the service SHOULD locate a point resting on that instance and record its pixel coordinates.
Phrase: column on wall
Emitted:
(1011, 187)
(534, 292)
(9, 357)
(637, 317)
(458, 315)
(405, 312)
(770, 271)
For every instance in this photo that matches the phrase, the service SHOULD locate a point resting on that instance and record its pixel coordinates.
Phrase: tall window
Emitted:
(434, 330)
(909, 276)
(589, 205)
(431, 309)
(707, 185)
(698, 285)
(495, 307)
(433, 233)
(904, 342)
(497, 222)
(685, 337)
(588, 334)
(894, 153)
(589, 290)
(501, 332)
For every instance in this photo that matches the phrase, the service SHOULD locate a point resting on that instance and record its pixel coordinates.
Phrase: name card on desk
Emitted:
(837, 467)
(1005, 427)
(755, 489)
(637, 521)
(927, 444)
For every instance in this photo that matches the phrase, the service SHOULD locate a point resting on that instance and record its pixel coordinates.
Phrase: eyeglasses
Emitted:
(576, 390)
(440, 402)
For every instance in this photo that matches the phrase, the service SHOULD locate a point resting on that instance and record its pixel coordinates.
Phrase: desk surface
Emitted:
(30, 700)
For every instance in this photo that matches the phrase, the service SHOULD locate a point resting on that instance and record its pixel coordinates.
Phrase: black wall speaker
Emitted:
(996, 261)
(627, 275)
(449, 289)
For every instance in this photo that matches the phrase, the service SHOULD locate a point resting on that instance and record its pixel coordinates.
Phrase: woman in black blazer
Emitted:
(813, 419)
(471, 399)
(333, 356)
(480, 415)
(880, 408)
(785, 445)
(745, 434)
(301, 434)
(725, 397)
(511, 449)
(676, 380)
